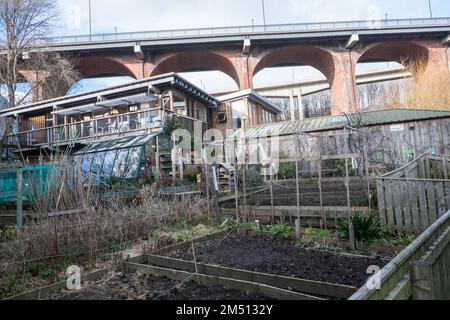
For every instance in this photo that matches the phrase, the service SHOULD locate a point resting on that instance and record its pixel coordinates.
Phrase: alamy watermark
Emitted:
(74, 278)
(214, 147)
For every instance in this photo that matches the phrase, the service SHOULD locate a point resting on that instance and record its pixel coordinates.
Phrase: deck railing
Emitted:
(147, 122)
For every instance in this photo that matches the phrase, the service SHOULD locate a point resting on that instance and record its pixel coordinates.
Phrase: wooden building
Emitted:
(244, 109)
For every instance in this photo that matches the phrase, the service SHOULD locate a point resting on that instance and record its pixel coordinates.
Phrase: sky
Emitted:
(144, 15)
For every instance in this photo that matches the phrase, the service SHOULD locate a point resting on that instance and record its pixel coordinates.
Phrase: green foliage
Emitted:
(367, 228)
(339, 165)
(286, 170)
(279, 229)
(253, 178)
(190, 175)
(322, 233)
(171, 126)
(403, 241)
(8, 234)
(308, 231)
(229, 224)
(47, 272)
(113, 181)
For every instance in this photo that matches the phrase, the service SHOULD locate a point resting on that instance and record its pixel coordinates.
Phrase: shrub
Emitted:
(367, 228)
(253, 178)
(287, 171)
(280, 229)
(190, 175)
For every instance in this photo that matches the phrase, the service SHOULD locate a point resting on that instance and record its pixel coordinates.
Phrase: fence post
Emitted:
(297, 177)
(157, 161)
(236, 182)
(19, 195)
(271, 193)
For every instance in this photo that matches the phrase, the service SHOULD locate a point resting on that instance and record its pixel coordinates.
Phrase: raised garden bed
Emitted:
(137, 286)
(265, 253)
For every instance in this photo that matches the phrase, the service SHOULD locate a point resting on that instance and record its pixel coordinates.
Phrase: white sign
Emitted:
(397, 128)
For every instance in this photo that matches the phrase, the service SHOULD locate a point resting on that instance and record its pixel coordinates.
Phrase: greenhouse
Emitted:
(125, 158)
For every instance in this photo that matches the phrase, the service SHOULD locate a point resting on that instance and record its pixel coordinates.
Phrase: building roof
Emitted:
(132, 88)
(252, 95)
(368, 118)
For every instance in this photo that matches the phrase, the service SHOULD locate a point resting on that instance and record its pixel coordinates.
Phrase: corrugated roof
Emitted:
(369, 118)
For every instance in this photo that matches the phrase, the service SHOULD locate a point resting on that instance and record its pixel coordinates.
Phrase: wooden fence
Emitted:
(421, 271)
(411, 198)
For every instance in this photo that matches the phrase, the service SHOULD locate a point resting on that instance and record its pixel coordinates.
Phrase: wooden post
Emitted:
(324, 218)
(271, 193)
(157, 161)
(181, 168)
(236, 187)
(297, 182)
(298, 229)
(352, 239)
(206, 175)
(366, 164)
(244, 178)
(347, 178)
(19, 195)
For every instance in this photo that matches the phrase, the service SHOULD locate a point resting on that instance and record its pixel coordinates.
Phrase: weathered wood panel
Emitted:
(431, 273)
(413, 197)
(395, 277)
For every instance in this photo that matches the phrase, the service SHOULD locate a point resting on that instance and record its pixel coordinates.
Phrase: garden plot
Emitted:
(138, 286)
(268, 254)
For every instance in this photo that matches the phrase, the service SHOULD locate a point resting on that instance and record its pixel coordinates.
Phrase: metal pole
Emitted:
(431, 9)
(19, 195)
(90, 21)
(264, 13)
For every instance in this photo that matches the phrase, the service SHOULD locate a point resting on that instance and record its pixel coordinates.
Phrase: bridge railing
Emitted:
(253, 29)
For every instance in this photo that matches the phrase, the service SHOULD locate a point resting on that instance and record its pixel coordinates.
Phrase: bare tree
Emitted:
(24, 27)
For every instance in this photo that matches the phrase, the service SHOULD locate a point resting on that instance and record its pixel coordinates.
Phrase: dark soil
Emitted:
(275, 255)
(137, 286)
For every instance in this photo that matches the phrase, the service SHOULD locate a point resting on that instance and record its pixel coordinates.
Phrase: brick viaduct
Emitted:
(333, 59)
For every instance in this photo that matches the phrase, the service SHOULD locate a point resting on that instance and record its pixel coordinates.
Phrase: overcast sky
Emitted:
(141, 15)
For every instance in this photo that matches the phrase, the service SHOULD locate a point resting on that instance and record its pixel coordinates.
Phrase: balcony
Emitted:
(111, 127)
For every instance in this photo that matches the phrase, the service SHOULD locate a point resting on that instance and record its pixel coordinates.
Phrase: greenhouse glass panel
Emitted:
(86, 164)
(131, 170)
(97, 162)
(108, 164)
(119, 165)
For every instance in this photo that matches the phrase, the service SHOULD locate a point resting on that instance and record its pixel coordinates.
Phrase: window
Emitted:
(222, 117)
(238, 112)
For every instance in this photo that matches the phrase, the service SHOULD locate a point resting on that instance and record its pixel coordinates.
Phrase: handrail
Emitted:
(252, 29)
(102, 119)
(387, 175)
